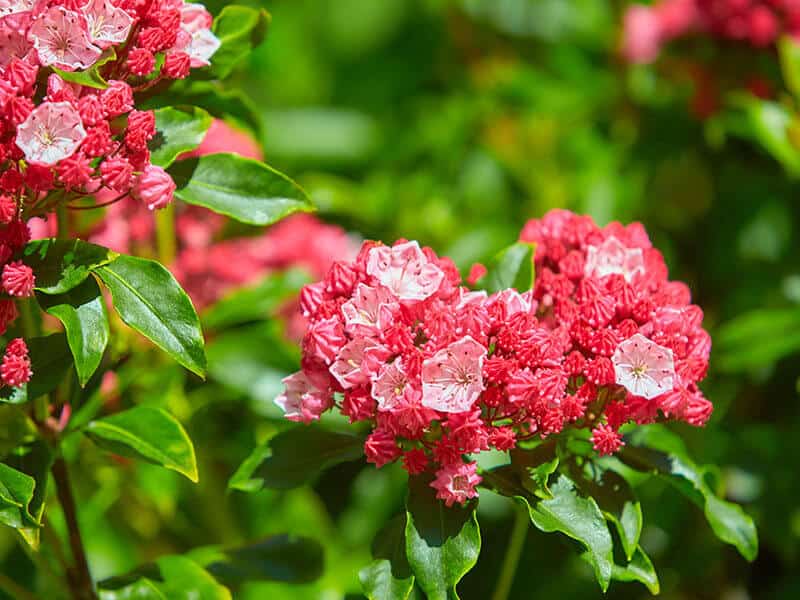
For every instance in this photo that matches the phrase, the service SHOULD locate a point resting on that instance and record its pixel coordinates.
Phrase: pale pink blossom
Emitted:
(301, 400)
(202, 47)
(512, 301)
(52, 132)
(347, 366)
(452, 378)
(195, 17)
(107, 24)
(389, 385)
(613, 258)
(196, 38)
(13, 43)
(13, 7)
(405, 270)
(61, 40)
(642, 34)
(368, 309)
(456, 483)
(643, 367)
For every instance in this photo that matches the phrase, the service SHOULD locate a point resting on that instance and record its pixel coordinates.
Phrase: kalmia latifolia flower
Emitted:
(443, 373)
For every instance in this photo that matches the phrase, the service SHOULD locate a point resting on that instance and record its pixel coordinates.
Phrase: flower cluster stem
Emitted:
(513, 553)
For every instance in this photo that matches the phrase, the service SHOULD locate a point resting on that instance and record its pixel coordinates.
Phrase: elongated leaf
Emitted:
(149, 300)
(141, 589)
(179, 129)
(640, 568)
(388, 576)
(239, 29)
(34, 461)
(83, 313)
(90, 77)
(442, 544)
(757, 339)
(728, 521)
(301, 453)
(16, 493)
(60, 265)
(241, 188)
(51, 360)
(616, 499)
(146, 433)
(171, 577)
(769, 124)
(285, 558)
(513, 267)
(16, 429)
(579, 518)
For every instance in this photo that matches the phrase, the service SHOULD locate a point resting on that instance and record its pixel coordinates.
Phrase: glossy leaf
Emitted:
(640, 568)
(303, 452)
(729, 522)
(388, 576)
(60, 265)
(149, 300)
(241, 188)
(82, 310)
(285, 558)
(442, 544)
(149, 434)
(16, 493)
(51, 360)
(577, 517)
(513, 267)
(89, 77)
(239, 29)
(34, 461)
(16, 429)
(179, 129)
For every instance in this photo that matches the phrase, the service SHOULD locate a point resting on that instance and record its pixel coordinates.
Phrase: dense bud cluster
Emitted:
(442, 372)
(62, 136)
(755, 22)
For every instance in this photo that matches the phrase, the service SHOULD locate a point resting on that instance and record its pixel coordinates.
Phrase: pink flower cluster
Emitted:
(755, 22)
(76, 139)
(442, 372)
(16, 278)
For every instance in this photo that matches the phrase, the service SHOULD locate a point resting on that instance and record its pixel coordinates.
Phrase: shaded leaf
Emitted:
(171, 577)
(89, 77)
(34, 461)
(16, 493)
(513, 267)
(442, 544)
(388, 576)
(239, 29)
(757, 338)
(51, 360)
(640, 568)
(83, 313)
(149, 434)
(241, 188)
(149, 300)
(60, 265)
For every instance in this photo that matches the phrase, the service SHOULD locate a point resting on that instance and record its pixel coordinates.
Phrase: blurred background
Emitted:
(453, 122)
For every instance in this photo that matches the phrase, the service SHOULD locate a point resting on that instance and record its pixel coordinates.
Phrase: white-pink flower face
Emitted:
(347, 366)
(364, 312)
(389, 385)
(452, 379)
(613, 258)
(13, 43)
(52, 132)
(195, 17)
(107, 24)
(301, 400)
(13, 7)
(61, 40)
(643, 367)
(405, 270)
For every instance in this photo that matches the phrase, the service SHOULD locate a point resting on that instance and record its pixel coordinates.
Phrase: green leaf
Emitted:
(640, 568)
(241, 188)
(83, 313)
(301, 453)
(146, 433)
(16, 493)
(728, 521)
(284, 558)
(51, 361)
(442, 544)
(239, 29)
(535, 466)
(789, 52)
(616, 499)
(579, 518)
(90, 77)
(34, 461)
(60, 265)
(242, 480)
(758, 338)
(179, 129)
(257, 302)
(171, 577)
(513, 267)
(388, 576)
(149, 300)
(769, 124)
(16, 429)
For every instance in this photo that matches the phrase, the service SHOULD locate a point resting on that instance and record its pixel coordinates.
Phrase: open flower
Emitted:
(61, 40)
(643, 367)
(52, 132)
(107, 24)
(456, 483)
(613, 258)
(452, 378)
(405, 270)
(302, 400)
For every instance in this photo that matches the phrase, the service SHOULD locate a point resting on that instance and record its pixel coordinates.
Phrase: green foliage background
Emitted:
(453, 122)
